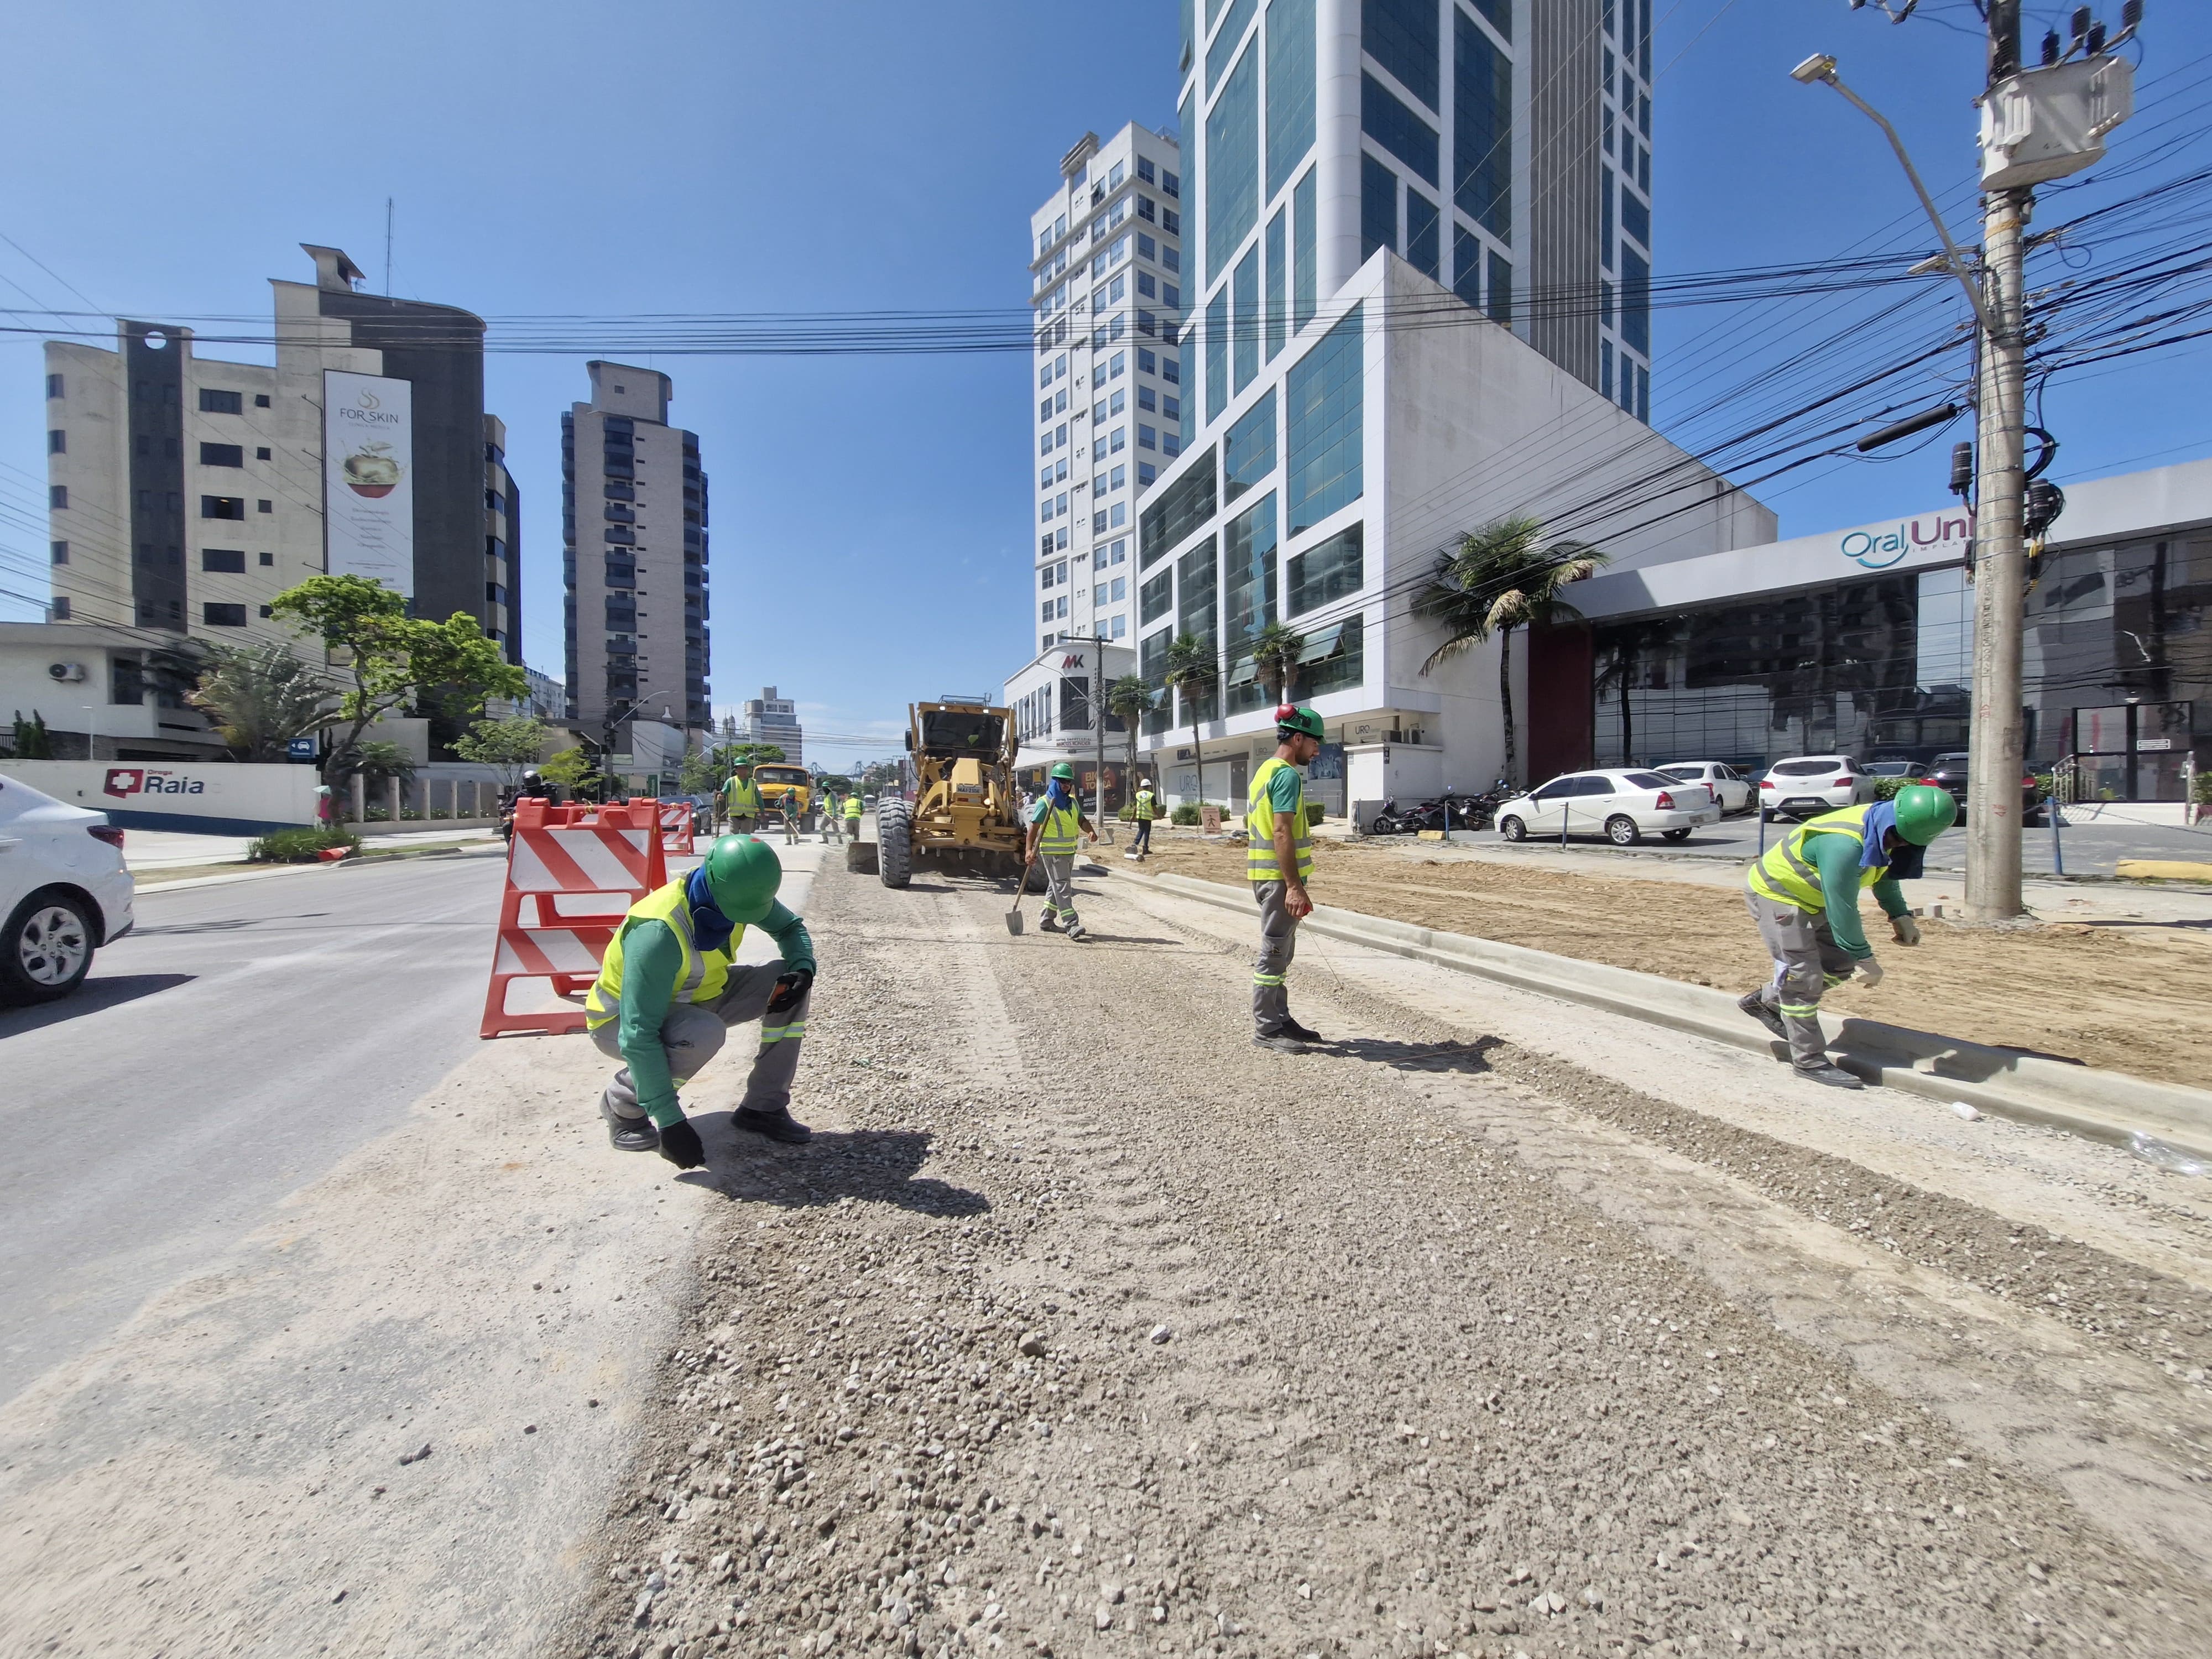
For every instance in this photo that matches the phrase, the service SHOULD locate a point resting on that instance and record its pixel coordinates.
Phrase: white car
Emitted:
(1622, 806)
(64, 889)
(1805, 785)
(1729, 789)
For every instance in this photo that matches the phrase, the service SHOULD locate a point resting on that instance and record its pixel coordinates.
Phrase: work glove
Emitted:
(1906, 929)
(679, 1144)
(789, 988)
(1870, 972)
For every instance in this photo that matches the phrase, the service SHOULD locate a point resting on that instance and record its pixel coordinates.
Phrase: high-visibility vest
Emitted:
(1788, 877)
(741, 796)
(852, 806)
(1260, 825)
(1146, 806)
(1062, 825)
(705, 972)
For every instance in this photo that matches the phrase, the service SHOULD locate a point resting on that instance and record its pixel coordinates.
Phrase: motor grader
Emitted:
(965, 814)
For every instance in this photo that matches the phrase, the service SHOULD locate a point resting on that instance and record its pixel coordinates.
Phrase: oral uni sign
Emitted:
(1934, 533)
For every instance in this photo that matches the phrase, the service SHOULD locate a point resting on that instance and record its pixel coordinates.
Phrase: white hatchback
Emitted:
(64, 889)
(1730, 789)
(1622, 806)
(1805, 785)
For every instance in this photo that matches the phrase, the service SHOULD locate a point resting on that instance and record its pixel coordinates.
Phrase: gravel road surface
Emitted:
(1083, 1326)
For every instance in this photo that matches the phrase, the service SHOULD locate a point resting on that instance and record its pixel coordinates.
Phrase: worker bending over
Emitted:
(1278, 858)
(1804, 894)
(668, 991)
(1054, 823)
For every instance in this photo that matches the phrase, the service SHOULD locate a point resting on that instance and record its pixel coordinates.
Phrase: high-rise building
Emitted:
(186, 492)
(634, 522)
(771, 719)
(1107, 293)
(1417, 295)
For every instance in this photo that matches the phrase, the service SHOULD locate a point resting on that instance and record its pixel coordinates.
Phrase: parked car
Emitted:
(1893, 768)
(1623, 807)
(1948, 771)
(1805, 785)
(64, 889)
(1729, 789)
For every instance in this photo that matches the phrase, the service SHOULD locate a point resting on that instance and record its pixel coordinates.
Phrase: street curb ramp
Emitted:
(2099, 1105)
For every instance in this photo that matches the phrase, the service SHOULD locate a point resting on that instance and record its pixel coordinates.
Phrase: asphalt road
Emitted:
(240, 1042)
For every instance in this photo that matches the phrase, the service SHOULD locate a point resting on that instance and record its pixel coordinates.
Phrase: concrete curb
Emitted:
(262, 872)
(2099, 1105)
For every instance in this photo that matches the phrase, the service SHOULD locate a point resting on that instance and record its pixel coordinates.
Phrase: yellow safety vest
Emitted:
(1260, 825)
(705, 972)
(1788, 877)
(1146, 806)
(742, 798)
(1062, 827)
(852, 806)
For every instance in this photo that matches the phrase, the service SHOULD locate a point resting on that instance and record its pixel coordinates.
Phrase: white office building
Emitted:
(770, 718)
(1417, 274)
(1107, 288)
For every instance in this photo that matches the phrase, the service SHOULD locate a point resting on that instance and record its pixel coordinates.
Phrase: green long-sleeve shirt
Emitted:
(653, 961)
(1837, 858)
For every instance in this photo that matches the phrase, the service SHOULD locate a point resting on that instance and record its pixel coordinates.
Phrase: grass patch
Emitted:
(299, 846)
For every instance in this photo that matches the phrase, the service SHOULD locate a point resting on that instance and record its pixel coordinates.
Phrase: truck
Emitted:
(965, 813)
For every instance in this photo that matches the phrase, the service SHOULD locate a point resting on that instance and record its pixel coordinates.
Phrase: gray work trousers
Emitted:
(1278, 943)
(694, 1032)
(1807, 962)
(742, 823)
(1059, 887)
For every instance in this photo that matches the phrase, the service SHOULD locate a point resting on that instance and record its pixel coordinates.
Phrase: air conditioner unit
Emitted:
(69, 674)
(2044, 124)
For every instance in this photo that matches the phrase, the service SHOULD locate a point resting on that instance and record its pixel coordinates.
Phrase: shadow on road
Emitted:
(1463, 1057)
(90, 998)
(874, 1166)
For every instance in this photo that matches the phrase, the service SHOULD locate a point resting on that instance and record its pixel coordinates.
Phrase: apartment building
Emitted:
(769, 718)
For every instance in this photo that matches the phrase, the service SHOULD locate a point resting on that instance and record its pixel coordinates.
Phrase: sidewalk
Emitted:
(176, 849)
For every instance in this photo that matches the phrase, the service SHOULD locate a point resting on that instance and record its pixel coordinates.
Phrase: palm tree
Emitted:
(1501, 577)
(1275, 652)
(260, 697)
(1193, 671)
(1627, 643)
(1129, 699)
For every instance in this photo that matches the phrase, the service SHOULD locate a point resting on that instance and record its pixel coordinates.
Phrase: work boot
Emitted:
(778, 1125)
(629, 1134)
(1049, 923)
(1075, 931)
(1834, 1076)
(1303, 1033)
(1764, 1011)
(1281, 1041)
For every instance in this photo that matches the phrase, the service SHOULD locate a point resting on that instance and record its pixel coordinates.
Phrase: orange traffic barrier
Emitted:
(572, 874)
(675, 838)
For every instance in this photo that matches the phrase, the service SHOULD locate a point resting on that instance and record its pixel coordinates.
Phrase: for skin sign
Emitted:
(368, 478)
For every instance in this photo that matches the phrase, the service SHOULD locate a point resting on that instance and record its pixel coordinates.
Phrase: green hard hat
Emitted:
(1924, 812)
(742, 875)
(1290, 717)
(1065, 772)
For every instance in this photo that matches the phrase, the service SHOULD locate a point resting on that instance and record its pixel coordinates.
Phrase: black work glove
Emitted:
(679, 1144)
(789, 988)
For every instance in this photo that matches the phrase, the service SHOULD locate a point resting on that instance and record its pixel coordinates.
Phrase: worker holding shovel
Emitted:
(1055, 823)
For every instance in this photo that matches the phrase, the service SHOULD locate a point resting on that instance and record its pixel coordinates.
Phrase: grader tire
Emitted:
(894, 843)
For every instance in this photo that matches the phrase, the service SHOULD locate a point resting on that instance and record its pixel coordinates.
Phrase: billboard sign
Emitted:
(369, 478)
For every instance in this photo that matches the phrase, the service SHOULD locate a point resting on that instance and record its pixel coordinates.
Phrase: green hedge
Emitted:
(1887, 788)
(299, 846)
(1185, 813)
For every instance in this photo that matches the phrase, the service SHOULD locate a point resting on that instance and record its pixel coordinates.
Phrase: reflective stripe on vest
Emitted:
(705, 972)
(743, 798)
(1062, 825)
(1788, 877)
(1260, 825)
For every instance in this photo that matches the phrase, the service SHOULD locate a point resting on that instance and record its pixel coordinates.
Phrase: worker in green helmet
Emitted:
(1804, 896)
(1279, 859)
(1055, 821)
(668, 991)
(741, 800)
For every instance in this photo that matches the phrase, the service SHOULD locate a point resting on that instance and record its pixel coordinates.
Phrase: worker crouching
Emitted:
(668, 992)
(1804, 896)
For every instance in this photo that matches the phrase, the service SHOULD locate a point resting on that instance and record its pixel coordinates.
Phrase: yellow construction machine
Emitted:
(965, 814)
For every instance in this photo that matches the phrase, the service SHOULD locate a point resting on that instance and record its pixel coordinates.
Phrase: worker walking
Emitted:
(1054, 823)
(1804, 896)
(741, 801)
(1145, 808)
(668, 991)
(1279, 859)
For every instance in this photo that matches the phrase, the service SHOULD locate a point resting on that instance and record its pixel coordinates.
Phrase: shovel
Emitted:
(1014, 914)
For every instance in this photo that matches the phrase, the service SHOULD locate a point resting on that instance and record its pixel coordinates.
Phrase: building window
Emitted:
(58, 552)
(57, 496)
(1324, 406)
(1636, 219)
(61, 609)
(1397, 129)
(1332, 662)
(1119, 441)
(57, 442)
(221, 402)
(1244, 290)
(1379, 207)
(53, 385)
(1146, 437)
(1482, 127)
(1467, 267)
(268, 558)
(1635, 299)
(1332, 569)
(261, 400)
(261, 454)
(269, 611)
(1290, 88)
(1422, 236)
(1232, 164)
(1217, 353)
(1499, 303)
(223, 615)
(1248, 455)
(1184, 506)
(223, 455)
(1146, 473)
(1117, 365)
(222, 507)
(1147, 399)
(1605, 368)
(265, 505)
(229, 560)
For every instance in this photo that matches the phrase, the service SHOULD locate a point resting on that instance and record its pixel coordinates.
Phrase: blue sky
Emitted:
(872, 515)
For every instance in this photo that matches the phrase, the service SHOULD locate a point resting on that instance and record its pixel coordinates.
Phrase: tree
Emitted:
(1191, 671)
(699, 774)
(1275, 652)
(572, 769)
(754, 753)
(1503, 576)
(1129, 699)
(260, 697)
(510, 746)
(32, 741)
(390, 661)
(376, 763)
(1626, 645)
